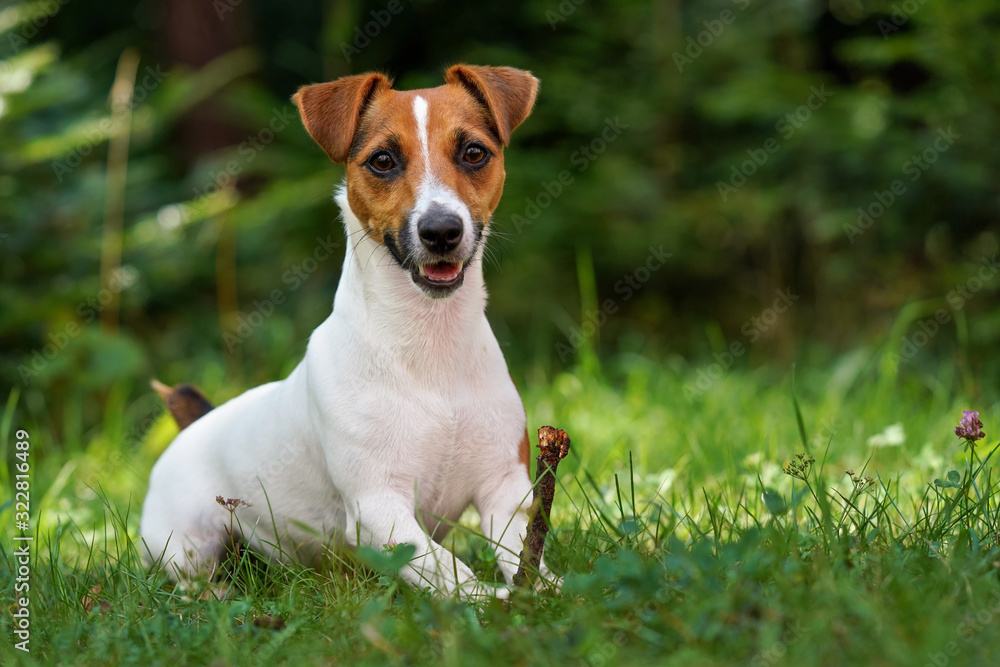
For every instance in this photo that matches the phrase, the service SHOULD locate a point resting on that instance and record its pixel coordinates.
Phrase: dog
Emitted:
(402, 413)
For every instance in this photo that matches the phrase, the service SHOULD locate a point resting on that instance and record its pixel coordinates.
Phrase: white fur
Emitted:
(420, 113)
(432, 191)
(401, 412)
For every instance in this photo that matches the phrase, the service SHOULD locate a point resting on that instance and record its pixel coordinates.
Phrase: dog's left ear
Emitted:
(507, 93)
(330, 111)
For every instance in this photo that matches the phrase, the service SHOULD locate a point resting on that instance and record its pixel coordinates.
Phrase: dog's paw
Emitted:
(549, 583)
(546, 582)
(478, 591)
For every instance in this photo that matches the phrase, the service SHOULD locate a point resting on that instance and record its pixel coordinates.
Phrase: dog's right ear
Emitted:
(330, 111)
(507, 93)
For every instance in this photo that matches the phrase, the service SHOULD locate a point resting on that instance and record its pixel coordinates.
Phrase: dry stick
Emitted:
(553, 445)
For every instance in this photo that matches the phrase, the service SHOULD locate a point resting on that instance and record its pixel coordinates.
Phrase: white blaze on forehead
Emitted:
(431, 190)
(420, 112)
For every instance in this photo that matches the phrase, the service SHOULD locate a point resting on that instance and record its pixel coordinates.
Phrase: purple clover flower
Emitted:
(969, 427)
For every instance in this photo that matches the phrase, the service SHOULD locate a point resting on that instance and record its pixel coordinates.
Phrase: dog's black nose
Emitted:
(440, 232)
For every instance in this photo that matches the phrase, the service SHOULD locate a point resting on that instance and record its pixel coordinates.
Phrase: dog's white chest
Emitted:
(427, 433)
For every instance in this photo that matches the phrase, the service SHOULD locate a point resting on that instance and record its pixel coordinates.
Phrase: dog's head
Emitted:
(424, 167)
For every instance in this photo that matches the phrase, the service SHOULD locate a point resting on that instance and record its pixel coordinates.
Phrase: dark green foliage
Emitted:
(671, 118)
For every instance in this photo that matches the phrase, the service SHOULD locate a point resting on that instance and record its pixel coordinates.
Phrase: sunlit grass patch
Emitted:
(807, 517)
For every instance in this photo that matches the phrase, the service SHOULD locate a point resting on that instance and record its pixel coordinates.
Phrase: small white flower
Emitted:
(892, 436)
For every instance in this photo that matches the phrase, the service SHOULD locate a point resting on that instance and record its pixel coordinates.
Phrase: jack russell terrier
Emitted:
(402, 413)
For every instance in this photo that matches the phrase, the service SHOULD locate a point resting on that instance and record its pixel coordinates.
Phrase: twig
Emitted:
(553, 445)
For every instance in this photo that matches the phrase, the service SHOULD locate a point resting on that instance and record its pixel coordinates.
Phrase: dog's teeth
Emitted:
(423, 271)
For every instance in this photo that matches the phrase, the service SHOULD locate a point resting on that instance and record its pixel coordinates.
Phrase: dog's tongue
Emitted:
(442, 271)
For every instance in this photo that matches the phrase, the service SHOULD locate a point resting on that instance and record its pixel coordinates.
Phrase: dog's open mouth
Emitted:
(438, 277)
(441, 273)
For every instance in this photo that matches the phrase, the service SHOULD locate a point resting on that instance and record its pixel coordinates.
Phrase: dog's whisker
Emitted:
(377, 245)
(325, 193)
(489, 257)
(367, 234)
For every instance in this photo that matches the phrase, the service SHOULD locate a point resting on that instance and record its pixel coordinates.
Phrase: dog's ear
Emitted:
(507, 93)
(330, 111)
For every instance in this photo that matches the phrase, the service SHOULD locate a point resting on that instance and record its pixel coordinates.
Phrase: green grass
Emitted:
(681, 538)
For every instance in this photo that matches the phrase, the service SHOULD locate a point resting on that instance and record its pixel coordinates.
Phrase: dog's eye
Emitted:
(474, 154)
(382, 161)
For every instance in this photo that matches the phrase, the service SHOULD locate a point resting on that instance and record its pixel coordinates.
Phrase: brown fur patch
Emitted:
(356, 117)
(525, 452)
(506, 92)
(383, 204)
(330, 111)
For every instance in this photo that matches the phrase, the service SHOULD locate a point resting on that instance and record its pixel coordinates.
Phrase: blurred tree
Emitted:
(840, 153)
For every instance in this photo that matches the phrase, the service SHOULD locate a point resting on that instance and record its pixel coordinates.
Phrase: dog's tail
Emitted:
(185, 402)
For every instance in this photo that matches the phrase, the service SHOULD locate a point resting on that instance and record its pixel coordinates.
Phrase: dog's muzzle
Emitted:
(436, 249)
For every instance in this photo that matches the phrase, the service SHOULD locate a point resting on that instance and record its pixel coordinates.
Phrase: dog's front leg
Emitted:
(503, 511)
(383, 520)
